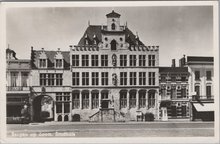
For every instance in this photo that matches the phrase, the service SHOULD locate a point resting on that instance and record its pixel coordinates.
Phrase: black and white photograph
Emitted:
(110, 72)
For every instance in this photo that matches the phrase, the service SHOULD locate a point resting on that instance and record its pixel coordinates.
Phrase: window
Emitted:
(151, 99)
(208, 92)
(50, 79)
(173, 93)
(85, 100)
(104, 78)
(123, 78)
(197, 75)
(104, 60)
(24, 79)
(62, 102)
(14, 79)
(75, 76)
(183, 92)
(142, 78)
(163, 78)
(132, 100)
(183, 78)
(163, 92)
(123, 99)
(95, 100)
(151, 78)
(95, 60)
(85, 78)
(142, 60)
(75, 60)
(43, 79)
(85, 60)
(113, 26)
(123, 60)
(95, 78)
(132, 60)
(197, 90)
(58, 107)
(104, 95)
(42, 63)
(173, 78)
(59, 79)
(151, 60)
(75, 103)
(208, 75)
(113, 45)
(59, 63)
(142, 100)
(133, 78)
(66, 107)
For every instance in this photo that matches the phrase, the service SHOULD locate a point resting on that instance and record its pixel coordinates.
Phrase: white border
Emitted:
(5, 5)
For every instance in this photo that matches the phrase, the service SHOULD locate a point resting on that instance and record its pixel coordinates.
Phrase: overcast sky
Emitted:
(177, 30)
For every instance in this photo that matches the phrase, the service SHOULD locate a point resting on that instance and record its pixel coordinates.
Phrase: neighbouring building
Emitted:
(18, 84)
(201, 86)
(174, 91)
(51, 85)
(114, 75)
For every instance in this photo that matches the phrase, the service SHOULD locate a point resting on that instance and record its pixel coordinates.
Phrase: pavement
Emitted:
(119, 129)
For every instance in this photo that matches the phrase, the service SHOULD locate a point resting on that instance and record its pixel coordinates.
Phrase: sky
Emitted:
(178, 30)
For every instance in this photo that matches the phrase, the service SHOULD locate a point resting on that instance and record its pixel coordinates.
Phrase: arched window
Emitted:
(113, 45)
(113, 26)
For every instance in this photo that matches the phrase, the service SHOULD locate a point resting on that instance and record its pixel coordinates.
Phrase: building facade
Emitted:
(201, 87)
(113, 70)
(18, 84)
(174, 91)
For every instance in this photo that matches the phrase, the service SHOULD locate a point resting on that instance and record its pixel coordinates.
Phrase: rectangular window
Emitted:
(24, 79)
(85, 60)
(142, 100)
(104, 60)
(75, 60)
(43, 79)
(132, 100)
(59, 63)
(123, 100)
(208, 92)
(85, 78)
(142, 60)
(183, 78)
(151, 100)
(75, 103)
(85, 100)
(197, 90)
(14, 79)
(95, 78)
(51, 79)
(183, 92)
(132, 60)
(173, 79)
(104, 78)
(208, 75)
(95, 60)
(42, 63)
(173, 93)
(66, 107)
(151, 78)
(123, 60)
(95, 100)
(142, 78)
(151, 60)
(59, 79)
(133, 78)
(75, 80)
(197, 75)
(123, 78)
(58, 107)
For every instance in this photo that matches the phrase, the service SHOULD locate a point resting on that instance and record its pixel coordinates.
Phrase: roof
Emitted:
(173, 69)
(97, 31)
(113, 14)
(199, 59)
(50, 55)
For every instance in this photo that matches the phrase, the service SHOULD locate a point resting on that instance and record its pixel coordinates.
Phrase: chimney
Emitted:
(173, 63)
(32, 48)
(182, 61)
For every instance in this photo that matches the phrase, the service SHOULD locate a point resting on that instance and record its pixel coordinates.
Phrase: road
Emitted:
(143, 129)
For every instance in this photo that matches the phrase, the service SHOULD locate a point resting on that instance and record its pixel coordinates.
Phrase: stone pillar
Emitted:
(137, 99)
(80, 100)
(128, 100)
(63, 112)
(90, 100)
(99, 99)
(55, 113)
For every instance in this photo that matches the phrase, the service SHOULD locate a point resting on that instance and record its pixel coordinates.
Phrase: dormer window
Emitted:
(59, 63)
(42, 63)
(58, 59)
(113, 26)
(113, 45)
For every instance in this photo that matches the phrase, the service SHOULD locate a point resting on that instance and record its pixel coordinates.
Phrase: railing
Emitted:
(195, 98)
(18, 88)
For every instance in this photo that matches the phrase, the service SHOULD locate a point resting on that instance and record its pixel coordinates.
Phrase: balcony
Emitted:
(202, 98)
(18, 88)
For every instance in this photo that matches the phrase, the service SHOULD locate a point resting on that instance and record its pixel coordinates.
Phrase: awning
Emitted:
(204, 107)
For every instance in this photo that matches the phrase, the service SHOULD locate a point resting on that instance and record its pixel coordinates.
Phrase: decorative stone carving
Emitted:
(114, 79)
(114, 60)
